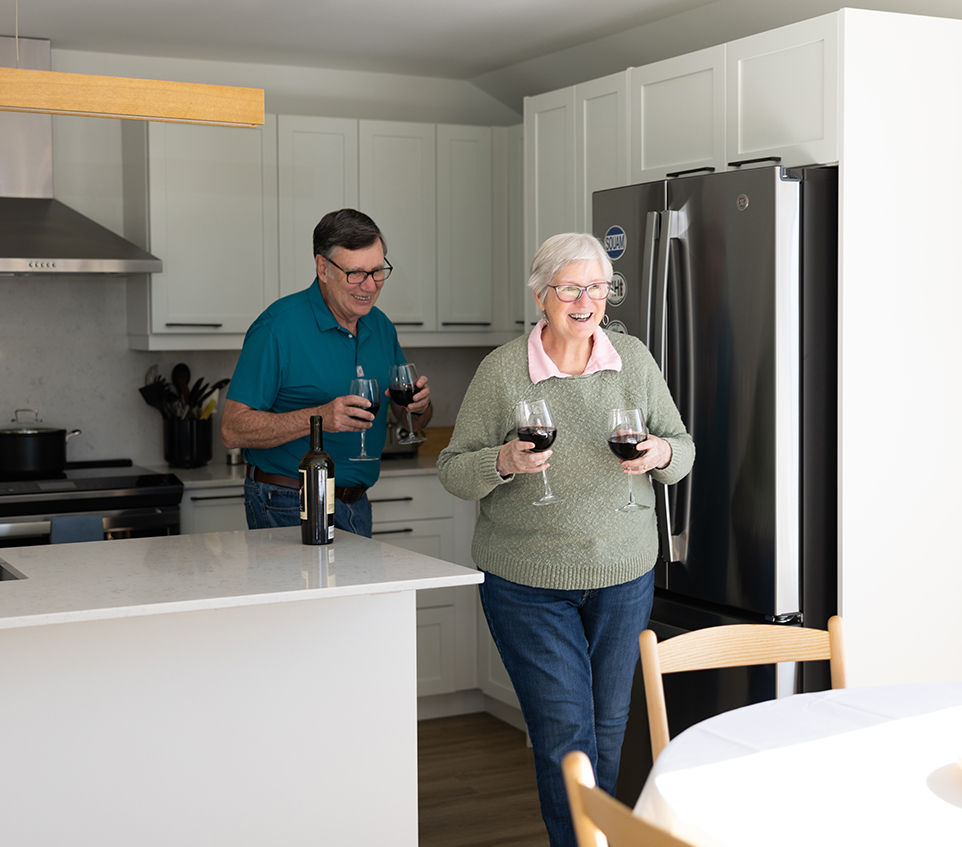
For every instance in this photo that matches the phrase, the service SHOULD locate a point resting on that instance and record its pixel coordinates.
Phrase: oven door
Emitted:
(29, 530)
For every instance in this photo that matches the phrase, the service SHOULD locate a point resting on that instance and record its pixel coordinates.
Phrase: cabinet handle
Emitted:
(775, 159)
(392, 531)
(393, 500)
(465, 323)
(692, 171)
(205, 326)
(218, 497)
(409, 323)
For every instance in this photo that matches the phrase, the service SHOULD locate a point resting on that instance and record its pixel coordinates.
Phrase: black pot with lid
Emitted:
(29, 449)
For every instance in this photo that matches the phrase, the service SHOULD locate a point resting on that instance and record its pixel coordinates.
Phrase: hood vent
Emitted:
(40, 235)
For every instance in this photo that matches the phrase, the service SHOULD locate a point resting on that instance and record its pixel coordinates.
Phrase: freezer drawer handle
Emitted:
(775, 159)
(197, 325)
(788, 619)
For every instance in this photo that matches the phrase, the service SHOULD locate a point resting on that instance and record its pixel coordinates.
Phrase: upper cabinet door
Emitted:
(317, 173)
(213, 221)
(601, 141)
(783, 94)
(549, 167)
(465, 285)
(678, 115)
(549, 174)
(397, 189)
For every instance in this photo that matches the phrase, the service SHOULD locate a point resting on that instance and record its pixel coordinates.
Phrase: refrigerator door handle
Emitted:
(657, 316)
(648, 260)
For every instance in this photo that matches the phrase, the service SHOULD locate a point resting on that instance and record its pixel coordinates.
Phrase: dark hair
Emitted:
(348, 229)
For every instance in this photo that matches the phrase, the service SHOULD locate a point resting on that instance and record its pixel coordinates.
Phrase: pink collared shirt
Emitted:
(603, 357)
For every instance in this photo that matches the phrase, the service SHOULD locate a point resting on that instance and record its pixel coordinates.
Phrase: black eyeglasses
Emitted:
(357, 277)
(572, 293)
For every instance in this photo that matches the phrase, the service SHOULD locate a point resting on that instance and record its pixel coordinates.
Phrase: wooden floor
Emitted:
(476, 785)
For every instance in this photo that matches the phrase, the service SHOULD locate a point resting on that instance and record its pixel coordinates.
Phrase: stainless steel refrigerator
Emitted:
(731, 281)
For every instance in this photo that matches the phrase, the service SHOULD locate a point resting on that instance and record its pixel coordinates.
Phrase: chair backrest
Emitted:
(601, 820)
(727, 647)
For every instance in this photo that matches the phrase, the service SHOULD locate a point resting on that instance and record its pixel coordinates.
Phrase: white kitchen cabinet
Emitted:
(549, 167)
(398, 190)
(214, 509)
(317, 173)
(783, 90)
(678, 115)
(416, 513)
(601, 141)
(464, 229)
(204, 200)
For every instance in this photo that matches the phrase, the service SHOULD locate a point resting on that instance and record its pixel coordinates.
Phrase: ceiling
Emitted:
(449, 39)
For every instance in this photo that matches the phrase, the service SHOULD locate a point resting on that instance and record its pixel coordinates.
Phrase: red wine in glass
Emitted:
(626, 446)
(542, 437)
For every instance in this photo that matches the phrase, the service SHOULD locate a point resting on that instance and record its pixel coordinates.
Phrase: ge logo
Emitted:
(618, 290)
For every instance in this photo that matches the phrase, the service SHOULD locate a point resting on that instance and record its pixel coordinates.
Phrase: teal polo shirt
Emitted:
(296, 355)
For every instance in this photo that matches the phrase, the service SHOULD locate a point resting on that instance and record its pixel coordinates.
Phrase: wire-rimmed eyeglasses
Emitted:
(357, 277)
(572, 293)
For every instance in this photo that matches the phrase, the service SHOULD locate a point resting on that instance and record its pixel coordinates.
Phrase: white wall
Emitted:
(901, 348)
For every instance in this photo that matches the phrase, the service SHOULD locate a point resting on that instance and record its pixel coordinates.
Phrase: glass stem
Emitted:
(410, 422)
(363, 432)
(547, 488)
(631, 492)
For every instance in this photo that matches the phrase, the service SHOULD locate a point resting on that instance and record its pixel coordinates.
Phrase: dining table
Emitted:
(875, 765)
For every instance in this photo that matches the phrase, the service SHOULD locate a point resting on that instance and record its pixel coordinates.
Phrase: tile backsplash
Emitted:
(63, 351)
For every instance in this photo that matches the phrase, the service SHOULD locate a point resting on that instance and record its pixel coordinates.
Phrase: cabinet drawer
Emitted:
(213, 510)
(407, 498)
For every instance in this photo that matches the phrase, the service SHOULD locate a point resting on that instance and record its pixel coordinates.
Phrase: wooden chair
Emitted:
(728, 647)
(601, 820)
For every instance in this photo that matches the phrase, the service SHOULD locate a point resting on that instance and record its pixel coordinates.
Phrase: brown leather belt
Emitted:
(348, 495)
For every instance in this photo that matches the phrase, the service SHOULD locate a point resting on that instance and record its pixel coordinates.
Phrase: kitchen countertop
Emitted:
(222, 475)
(148, 576)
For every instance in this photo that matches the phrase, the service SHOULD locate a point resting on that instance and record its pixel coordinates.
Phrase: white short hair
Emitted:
(561, 250)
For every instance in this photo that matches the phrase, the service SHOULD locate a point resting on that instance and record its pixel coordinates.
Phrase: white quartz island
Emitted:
(232, 688)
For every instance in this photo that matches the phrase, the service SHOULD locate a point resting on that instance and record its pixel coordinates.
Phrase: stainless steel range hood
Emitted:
(40, 235)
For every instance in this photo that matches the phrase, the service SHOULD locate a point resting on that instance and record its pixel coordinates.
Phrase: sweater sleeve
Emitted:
(467, 467)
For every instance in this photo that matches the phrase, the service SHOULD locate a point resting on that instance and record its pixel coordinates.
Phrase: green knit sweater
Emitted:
(583, 542)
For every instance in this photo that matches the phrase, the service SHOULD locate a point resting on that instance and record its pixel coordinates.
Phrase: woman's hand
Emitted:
(654, 455)
(514, 457)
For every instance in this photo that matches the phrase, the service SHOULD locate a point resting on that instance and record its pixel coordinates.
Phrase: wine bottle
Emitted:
(317, 490)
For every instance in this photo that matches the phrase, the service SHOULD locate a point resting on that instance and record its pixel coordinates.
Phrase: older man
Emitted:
(298, 360)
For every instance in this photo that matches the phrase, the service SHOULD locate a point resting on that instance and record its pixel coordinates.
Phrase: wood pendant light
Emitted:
(52, 92)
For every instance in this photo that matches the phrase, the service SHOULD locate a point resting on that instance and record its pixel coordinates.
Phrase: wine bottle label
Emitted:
(330, 501)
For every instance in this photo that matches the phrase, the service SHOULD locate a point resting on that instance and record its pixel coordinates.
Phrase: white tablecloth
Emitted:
(871, 766)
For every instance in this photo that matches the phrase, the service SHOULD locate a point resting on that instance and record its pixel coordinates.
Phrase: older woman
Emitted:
(568, 586)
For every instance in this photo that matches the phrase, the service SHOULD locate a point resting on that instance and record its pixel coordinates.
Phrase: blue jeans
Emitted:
(571, 656)
(271, 506)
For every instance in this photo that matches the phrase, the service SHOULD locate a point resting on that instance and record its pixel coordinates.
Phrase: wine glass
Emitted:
(366, 388)
(535, 424)
(402, 389)
(626, 430)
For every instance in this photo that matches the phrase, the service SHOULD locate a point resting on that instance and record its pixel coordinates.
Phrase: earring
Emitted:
(605, 321)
